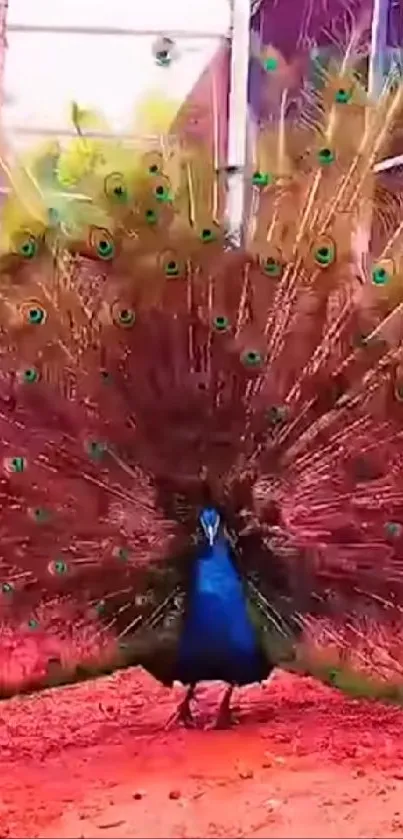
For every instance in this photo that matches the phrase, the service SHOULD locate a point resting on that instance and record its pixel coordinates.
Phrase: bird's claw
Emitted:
(225, 719)
(183, 714)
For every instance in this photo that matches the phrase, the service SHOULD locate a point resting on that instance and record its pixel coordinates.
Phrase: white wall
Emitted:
(44, 72)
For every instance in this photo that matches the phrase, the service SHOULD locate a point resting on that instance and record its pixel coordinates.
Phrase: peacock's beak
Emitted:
(210, 535)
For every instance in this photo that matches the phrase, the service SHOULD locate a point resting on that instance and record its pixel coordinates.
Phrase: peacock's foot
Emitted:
(225, 718)
(183, 714)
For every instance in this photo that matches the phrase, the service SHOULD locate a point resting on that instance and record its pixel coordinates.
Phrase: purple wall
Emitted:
(296, 26)
(395, 23)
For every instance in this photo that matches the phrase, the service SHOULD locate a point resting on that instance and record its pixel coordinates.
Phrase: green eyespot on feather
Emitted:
(16, 465)
(115, 188)
(120, 194)
(252, 358)
(324, 255)
(261, 179)
(29, 376)
(28, 248)
(33, 623)
(105, 249)
(221, 323)
(58, 567)
(380, 276)
(40, 515)
(207, 235)
(162, 194)
(150, 217)
(272, 267)
(393, 529)
(36, 316)
(126, 317)
(105, 376)
(95, 449)
(7, 588)
(326, 156)
(102, 244)
(172, 269)
(277, 415)
(342, 96)
(271, 64)
(122, 554)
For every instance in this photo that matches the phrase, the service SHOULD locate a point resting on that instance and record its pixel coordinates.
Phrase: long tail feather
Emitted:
(146, 369)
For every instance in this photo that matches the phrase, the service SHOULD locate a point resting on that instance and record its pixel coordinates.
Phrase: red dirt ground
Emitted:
(89, 760)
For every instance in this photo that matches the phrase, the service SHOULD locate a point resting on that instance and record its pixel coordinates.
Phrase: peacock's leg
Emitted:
(183, 713)
(224, 716)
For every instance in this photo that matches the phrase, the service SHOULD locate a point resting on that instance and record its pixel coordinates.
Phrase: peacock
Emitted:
(201, 445)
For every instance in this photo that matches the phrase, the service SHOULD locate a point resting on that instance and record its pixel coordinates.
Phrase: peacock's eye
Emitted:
(151, 217)
(40, 515)
(380, 275)
(393, 529)
(325, 156)
(121, 553)
(172, 269)
(324, 255)
(15, 464)
(29, 376)
(126, 317)
(272, 267)
(162, 193)
(221, 323)
(252, 358)
(36, 316)
(58, 567)
(105, 376)
(120, 193)
(261, 179)
(101, 242)
(270, 64)
(28, 248)
(95, 449)
(277, 415)
(115, 187)
(207, 235)
(105, 249)
(342, 96)
(33, 623)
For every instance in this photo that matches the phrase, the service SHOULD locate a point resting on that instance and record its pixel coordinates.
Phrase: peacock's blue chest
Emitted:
(218, 639)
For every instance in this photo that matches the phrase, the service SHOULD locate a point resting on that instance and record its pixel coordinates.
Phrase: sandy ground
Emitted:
(93, 760)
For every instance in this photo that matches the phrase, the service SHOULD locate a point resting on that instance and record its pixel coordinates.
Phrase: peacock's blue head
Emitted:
(210, 522)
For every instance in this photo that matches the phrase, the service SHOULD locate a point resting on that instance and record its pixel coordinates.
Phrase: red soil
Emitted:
(91, 760)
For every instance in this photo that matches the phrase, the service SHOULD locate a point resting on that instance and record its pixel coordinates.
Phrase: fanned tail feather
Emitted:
(146, 368)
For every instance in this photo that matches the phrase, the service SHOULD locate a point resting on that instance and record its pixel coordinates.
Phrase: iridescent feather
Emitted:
(147, 371)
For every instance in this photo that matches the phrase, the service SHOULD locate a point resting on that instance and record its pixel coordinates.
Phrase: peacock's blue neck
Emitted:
(213, 569)
(218, 639)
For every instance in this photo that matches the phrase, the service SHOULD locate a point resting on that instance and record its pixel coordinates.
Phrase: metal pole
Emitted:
(29, 29)
(238, 117)
(377, 57)
(376, 79)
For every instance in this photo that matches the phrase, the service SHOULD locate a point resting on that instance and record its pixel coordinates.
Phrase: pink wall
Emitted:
(196, 115)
